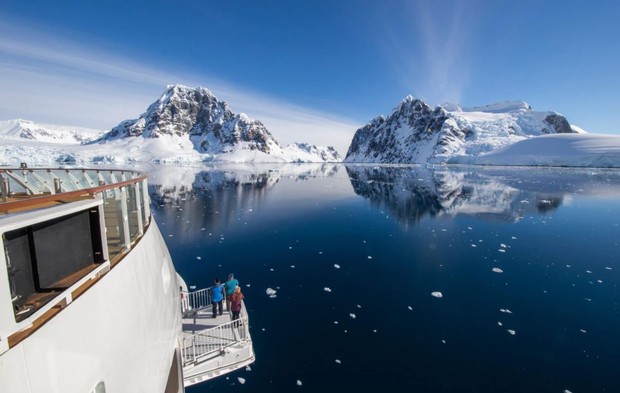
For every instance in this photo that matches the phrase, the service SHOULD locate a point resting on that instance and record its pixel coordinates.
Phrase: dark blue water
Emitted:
(526, 261)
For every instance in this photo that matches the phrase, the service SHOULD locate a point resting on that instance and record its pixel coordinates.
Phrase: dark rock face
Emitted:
(559, 124)
(399, 137)
(196, 112)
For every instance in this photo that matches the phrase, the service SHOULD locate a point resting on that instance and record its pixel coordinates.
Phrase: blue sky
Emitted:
(310, 70)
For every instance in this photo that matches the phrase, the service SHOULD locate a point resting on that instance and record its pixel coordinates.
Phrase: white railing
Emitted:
(215, 340)
(194, 301)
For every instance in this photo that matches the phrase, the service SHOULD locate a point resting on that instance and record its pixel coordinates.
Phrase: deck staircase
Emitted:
(210, 346)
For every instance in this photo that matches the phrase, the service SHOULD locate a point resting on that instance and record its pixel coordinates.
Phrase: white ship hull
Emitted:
(122, 331)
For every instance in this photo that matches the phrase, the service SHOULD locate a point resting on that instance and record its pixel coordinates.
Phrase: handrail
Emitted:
(194, 301)
(36, 200)
(214, 340)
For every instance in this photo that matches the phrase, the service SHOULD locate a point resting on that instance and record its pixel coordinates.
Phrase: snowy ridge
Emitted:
(416, 133)
(185, 125)
(575, 150)
(20, 130)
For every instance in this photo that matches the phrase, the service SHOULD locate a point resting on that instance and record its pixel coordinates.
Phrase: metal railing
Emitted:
(193, 301)
(209, 342)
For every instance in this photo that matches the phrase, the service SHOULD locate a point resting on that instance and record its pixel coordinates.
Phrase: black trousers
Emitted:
(215, 306)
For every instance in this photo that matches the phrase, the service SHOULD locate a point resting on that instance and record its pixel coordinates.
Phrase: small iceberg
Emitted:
(271, 292)
(437, 294)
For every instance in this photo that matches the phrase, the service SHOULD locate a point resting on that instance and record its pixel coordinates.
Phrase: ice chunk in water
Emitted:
(327, 289)
(410, 308)
(299, 383)
(241, 380)
(352, 315)
(337, 266)
(512, 332)
(505, 310)
(497, 270)
(437, 294)
(338, 361)
(271, 292)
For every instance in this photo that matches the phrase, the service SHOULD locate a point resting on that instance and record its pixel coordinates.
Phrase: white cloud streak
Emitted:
(46, 78)
(430, 48)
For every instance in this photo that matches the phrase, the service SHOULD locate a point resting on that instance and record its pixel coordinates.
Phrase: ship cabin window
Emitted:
(46, 258)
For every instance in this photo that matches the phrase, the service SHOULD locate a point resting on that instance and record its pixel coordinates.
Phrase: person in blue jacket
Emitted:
(230, 286)
(217, 296)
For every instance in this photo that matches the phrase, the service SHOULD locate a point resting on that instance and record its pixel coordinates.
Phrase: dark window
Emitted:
(46, 258)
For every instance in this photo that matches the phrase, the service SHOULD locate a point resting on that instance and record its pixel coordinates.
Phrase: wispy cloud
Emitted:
(428, 44)
(48, 78)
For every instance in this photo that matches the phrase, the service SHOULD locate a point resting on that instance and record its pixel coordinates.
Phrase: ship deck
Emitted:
(214, 346)
(203, 319)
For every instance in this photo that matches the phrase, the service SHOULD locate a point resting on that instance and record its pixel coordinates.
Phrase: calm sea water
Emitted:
(526, 261)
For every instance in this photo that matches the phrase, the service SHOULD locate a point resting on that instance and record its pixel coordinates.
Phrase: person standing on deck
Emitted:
(235, 303)
(230, 286)
(217, 296)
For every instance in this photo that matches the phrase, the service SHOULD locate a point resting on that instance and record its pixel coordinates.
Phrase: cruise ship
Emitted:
(89, 297)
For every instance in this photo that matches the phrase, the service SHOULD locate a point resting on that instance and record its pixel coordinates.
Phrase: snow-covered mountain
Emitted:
(205, 129)
(416, 133)
(185, 125)
(305, 152)
(21, 130)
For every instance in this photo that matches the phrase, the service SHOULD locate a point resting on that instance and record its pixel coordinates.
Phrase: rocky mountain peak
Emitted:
(197, 113)
(414, 132)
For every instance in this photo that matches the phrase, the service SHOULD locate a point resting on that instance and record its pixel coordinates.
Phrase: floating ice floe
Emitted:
(501, 250)
(335, 322)
(271, 292)
(337, 266)
(327, 289)
(607, 268)
(292, 266)
(248, 368)
(470, 228)
(247, 285)
(358, 306)
(473, 245)
(369, 257)
(299, 383)
(192, 287)
(241, 380)
(497, 270)
(499, 323)
(512, 332)
(410, 308)
(567, 391)
(352, 315)
(443, 341)
(338, 361)
(502, 245)
(514, 238)
(199, 258)
(505, 310)
(374, 330)
(582, 330)
(437, 294)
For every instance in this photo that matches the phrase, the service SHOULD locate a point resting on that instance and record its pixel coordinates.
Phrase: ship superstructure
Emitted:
(89, 297)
